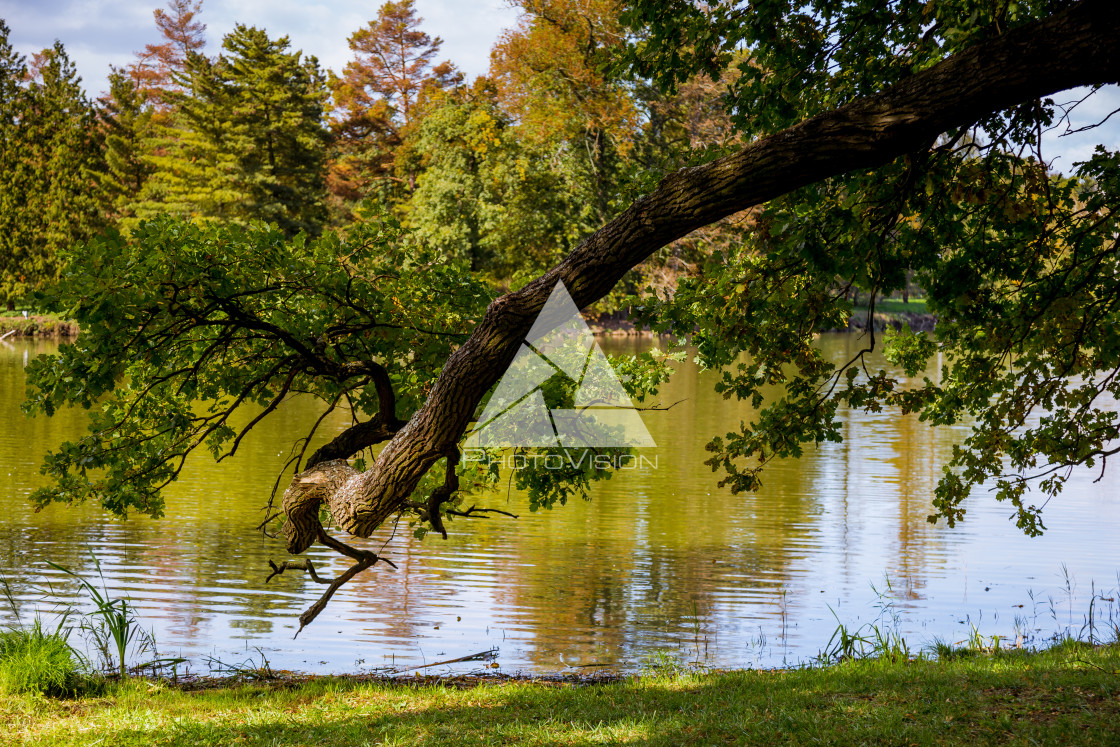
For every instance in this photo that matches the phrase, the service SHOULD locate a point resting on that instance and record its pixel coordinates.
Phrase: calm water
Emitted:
(659, 560)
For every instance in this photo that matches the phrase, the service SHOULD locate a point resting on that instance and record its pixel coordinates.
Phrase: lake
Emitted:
(659, 561)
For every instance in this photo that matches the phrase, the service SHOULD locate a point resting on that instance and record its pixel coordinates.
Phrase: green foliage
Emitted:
(551, 476)
(15, 177)
(125, 117)
(1019, 264)
(37, 660)
(186, 324)
(483, 197)
(909, 350)
(245, 140)
(51, 157)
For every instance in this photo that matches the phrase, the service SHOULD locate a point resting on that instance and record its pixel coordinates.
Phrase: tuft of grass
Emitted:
(112, 626)
(37, 660)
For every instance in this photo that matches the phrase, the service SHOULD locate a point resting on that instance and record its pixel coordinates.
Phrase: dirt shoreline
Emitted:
(41, 327)
(283, 679)
(621, 327)
(46, 328)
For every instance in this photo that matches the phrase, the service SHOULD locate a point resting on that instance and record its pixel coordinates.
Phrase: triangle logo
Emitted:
(560, 342)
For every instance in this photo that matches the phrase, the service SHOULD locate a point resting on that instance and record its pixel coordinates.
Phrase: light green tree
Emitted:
(245, 140)
(52, 163)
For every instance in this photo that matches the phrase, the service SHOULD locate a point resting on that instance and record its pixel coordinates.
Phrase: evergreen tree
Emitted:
(14, 177)
(52, 159)
(276, 128)
(245, 140)
(194, 171)
(125, 118)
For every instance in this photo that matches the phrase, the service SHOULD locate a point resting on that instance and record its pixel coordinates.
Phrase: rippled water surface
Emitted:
(660, 560)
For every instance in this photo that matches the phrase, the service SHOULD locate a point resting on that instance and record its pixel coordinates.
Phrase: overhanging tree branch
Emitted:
(1073, 48)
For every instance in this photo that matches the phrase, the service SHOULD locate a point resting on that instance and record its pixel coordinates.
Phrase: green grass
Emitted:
(1066, 695)
(895, 306)
(37, 325)
(38, 661)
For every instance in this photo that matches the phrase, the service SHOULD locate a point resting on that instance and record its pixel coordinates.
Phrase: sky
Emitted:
(98, 33)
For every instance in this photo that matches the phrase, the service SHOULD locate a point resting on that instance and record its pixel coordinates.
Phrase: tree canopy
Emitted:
(872, 143)
(49, 195)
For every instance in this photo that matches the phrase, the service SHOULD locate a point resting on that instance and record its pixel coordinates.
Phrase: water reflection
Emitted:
(659, 559)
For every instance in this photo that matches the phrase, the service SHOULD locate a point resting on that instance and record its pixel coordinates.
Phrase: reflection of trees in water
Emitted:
(200, 562)
(595, 582)
(657, 556)
(885, 470)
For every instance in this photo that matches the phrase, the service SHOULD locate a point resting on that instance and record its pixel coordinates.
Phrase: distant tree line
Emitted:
(505, 174)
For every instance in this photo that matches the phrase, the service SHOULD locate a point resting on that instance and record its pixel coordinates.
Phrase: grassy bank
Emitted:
(36, 325)
(894, 306)
(1066, 695)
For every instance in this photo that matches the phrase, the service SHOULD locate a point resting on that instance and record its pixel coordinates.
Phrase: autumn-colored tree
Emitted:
(843, 108)
(153, 73)
(583, 121)
(376, 98)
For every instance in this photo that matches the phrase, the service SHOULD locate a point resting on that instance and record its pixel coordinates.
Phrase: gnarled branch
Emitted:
(1075, 47)
(1071, 48)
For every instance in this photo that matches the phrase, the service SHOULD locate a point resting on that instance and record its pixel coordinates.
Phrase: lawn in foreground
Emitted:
(1066, 695)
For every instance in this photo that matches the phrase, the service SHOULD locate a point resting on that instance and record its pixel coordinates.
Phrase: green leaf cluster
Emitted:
(1018, 263)
(195, 332)
(51, 156)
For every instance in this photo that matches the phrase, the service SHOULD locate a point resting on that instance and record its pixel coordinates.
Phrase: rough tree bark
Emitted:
(1076, 47)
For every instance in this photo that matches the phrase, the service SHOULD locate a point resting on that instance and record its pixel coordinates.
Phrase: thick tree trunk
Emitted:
(1074, 48)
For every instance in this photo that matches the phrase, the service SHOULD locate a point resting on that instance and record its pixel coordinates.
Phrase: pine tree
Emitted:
(194, 171)
(276, 128)
(125, 117)
(245, 139)
(14, 176)
(52, 198)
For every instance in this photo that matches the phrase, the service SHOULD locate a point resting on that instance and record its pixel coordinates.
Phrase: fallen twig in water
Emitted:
(480, 656)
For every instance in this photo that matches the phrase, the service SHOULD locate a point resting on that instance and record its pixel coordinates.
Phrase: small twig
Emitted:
(303, 564)
(658, 408)
(365, 560)
(313, 611)
(480, 656)
(263, 524)
(431, 511)
(478, 513)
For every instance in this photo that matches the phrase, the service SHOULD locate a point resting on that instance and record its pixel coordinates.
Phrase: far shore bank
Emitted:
(37, 325)
(52, 328)
(616, 326)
